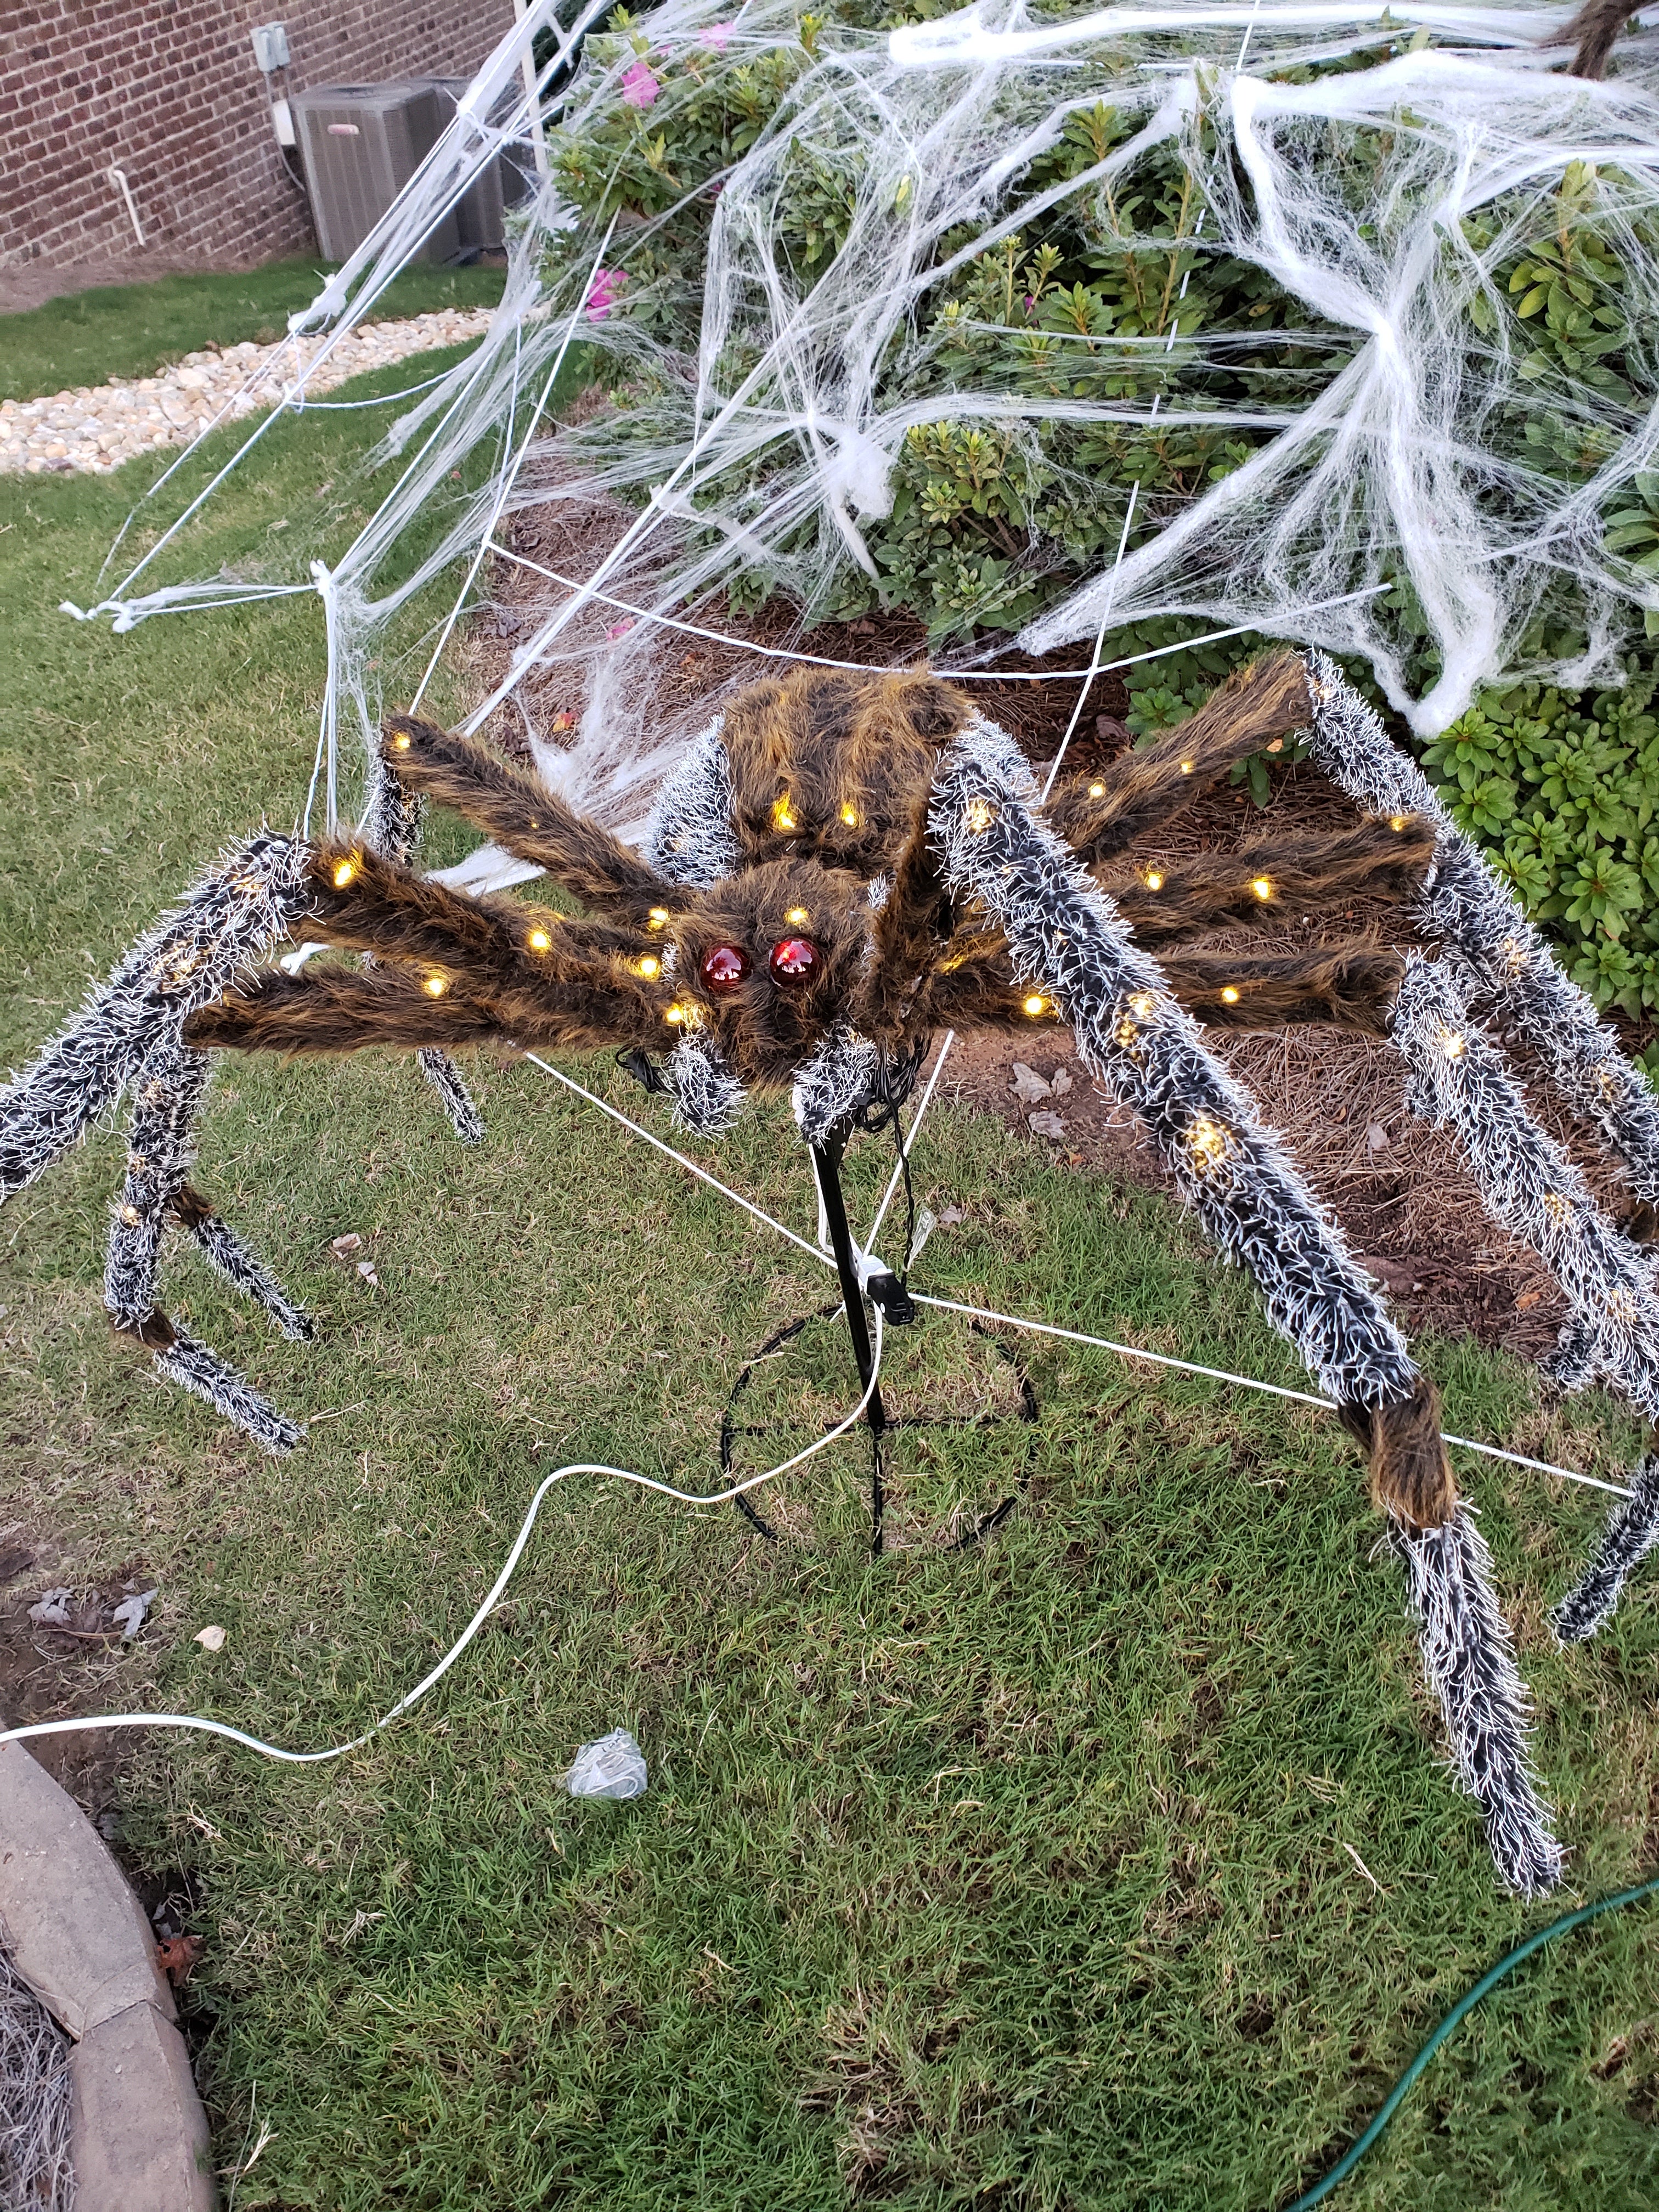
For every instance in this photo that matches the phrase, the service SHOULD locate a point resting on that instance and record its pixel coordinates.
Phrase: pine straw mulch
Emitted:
(1398, 1187)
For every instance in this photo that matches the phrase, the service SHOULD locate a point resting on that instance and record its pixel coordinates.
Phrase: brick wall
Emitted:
(167, 90)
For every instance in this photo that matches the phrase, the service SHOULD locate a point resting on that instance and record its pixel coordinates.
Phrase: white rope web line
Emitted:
(588, 592)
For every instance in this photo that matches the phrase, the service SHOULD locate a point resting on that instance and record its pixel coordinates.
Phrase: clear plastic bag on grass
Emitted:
(613, 1767)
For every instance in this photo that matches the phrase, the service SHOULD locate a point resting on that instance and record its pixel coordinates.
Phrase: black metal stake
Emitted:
(826, 1161)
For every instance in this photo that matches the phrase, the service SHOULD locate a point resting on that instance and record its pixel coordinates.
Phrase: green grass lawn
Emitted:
(1023, 1876)
(133, 329)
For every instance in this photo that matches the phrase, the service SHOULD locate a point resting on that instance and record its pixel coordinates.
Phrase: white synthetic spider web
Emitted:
(1399, 469)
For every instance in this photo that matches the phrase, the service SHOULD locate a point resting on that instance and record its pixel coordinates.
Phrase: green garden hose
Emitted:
(1350, 2158)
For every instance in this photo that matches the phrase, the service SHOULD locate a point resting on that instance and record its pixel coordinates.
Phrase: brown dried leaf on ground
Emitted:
(177, 1955)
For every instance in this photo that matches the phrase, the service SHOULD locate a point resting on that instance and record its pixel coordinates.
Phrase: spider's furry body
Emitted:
(845, 866)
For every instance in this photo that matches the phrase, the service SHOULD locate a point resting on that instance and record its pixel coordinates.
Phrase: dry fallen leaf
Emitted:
(212, 1638)
(366, 1269)
(176, 1955)
(1060, 1083)
(51, 1610)
(344, 1246)
(1027, 1087)
(1526, 1301)
(1377, 1138)
(1047, 1125)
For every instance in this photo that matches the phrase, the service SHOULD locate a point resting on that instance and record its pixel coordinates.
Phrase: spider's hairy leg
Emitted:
(168, 1093)
(1068, 939)
(1352, 986)
(1260, 705)
(1271, 875)
(1592, 33)
(907, 940)
(328, 1010)
(525, 819)
(231, 915)
(364, 903)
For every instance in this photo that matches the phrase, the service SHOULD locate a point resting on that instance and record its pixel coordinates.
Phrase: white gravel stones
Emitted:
(96, 430)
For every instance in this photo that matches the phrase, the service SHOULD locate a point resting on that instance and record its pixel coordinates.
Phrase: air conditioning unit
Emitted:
(361, 145)
(505, 183)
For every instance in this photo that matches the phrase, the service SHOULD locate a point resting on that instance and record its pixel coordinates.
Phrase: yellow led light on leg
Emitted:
(1229, 994)
(343, 874)
(657, 918)
(1036, 1005)
(435, 987)
(539, 941)
(1262, 886)
(1154, 881)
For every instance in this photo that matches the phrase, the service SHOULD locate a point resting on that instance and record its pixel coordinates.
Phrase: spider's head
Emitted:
(766, 963)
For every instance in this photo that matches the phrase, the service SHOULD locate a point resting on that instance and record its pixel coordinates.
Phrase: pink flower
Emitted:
(640, 88)
(618, 630)
(719, 36)
(607, 285)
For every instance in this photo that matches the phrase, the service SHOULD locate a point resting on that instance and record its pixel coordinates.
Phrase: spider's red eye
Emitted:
(795, 961)
(724, 968)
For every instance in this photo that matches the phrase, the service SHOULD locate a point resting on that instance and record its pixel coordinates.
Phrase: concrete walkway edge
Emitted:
(78, 1937)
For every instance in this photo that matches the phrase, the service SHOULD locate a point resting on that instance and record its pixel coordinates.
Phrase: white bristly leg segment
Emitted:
(708, 1098)
(198, 1368)
(188, 959)
(1476, 914)
(391, 827)
(167, 1099)
(1469, 1662)
(168, 1093)
(1496, 959)
(834, 1084)
(1066, 936)
(245, 1271)
(1528, 1185)
(690, 838)
(129, 1030)
(1630, 1533)
(441, 1073)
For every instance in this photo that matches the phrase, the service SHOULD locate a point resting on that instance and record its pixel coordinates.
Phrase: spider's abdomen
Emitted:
(836, 766)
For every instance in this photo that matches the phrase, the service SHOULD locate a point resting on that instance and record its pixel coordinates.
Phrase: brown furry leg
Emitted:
(1352, 986)
(324, 1010)
(525, 819)
(1593, 30)
(364, 903)
(1410, 1476)
(1373, 859)
(1261, 703)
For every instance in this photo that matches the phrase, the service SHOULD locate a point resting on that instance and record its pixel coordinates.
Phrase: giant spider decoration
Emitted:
(845, 864)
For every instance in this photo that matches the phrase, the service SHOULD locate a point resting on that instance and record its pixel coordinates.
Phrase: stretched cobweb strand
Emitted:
(1628, 1535)
(189, 958)
(1469, 1662)
(1470, 907)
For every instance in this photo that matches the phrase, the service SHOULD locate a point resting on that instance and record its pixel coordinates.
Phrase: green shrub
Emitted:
(1564, 794)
